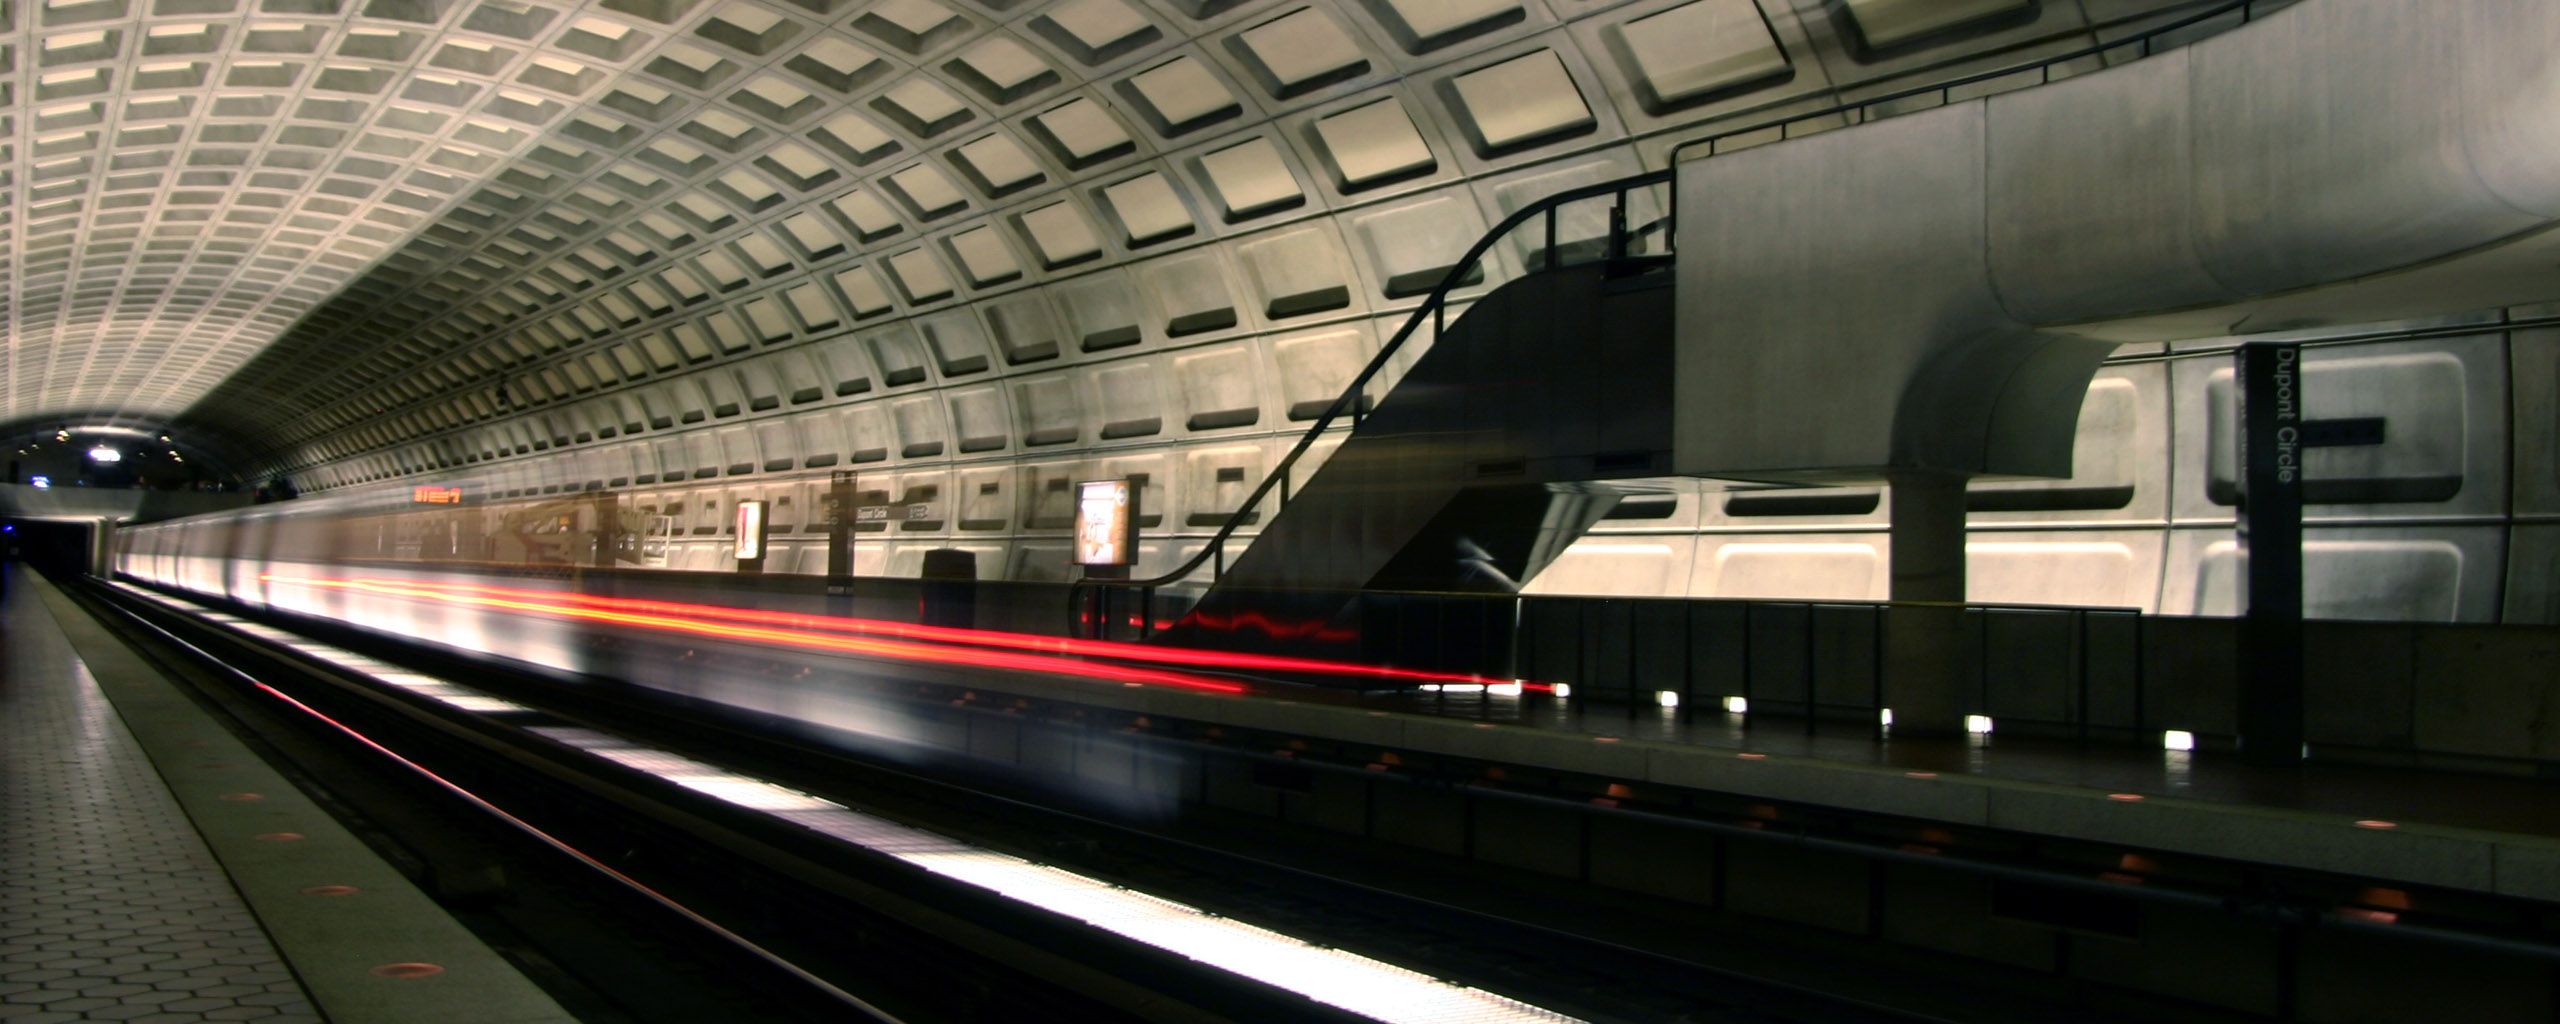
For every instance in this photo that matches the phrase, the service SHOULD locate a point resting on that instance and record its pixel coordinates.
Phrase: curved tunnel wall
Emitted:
(953, 371)
(2346, 161)
(2336, 163)
(577, 303)
(2455, 518)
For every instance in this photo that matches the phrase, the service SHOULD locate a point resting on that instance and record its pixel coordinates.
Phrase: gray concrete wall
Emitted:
(1921, 293)
(2455, 694)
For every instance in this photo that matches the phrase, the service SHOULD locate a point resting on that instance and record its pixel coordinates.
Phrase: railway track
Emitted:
(819, 928)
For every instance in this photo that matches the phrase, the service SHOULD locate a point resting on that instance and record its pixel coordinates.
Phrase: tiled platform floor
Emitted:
(114, 792)
(111, 907)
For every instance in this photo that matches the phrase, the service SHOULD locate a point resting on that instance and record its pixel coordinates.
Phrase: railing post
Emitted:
(2141, 671)
(1982, 663)
(1547, 256)
(1688, 661)
(1875, 671)
(1635, 679)
(1812, 678)
(1747, 694)
(2083, 641)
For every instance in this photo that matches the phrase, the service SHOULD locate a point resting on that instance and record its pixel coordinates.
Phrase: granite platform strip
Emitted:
(366, 943)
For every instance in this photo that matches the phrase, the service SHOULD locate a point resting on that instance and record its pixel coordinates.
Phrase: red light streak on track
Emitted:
(791, 638)
(942, 634)
(1270, 627)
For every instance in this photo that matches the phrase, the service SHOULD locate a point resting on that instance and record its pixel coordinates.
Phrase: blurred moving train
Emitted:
(2454, 518)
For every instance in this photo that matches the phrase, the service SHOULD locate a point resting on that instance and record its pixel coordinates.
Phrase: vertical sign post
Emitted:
(1106, 542)
(840, 535)
(2270, 537)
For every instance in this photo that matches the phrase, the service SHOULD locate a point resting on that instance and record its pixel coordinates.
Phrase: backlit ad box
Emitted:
(750, 530)
(1106, 523)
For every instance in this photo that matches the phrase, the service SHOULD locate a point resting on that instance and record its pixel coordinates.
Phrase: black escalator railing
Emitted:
(1092, 599)
(1619, 246)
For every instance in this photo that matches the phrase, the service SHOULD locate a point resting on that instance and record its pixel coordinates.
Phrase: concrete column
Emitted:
(1927, 681)
(608, 528)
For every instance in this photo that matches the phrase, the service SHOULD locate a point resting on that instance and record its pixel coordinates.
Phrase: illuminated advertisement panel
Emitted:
(750, 530)
(1106, 523)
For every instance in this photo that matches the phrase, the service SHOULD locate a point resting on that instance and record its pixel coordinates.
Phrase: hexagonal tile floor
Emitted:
(111, 908)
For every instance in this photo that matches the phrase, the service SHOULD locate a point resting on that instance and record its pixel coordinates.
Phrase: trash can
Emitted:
(950, 588)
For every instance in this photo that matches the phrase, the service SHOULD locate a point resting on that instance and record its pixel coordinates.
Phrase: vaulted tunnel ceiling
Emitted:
(295, 218)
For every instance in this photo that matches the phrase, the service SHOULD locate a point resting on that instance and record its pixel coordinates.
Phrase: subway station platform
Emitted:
(2469, 831)
(157, 870)
(2378, 797)
(1421, 770)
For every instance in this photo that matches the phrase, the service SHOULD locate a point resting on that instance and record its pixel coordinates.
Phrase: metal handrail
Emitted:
(1434, 309)
(1434, 306)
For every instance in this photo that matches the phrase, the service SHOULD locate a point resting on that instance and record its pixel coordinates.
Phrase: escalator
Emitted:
(1495, 452)
(1851, 312)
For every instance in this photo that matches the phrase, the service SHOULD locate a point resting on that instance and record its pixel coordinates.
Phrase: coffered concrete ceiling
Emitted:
(296, 218)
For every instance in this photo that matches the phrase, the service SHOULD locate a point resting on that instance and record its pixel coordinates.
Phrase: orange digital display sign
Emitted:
(435, 495)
